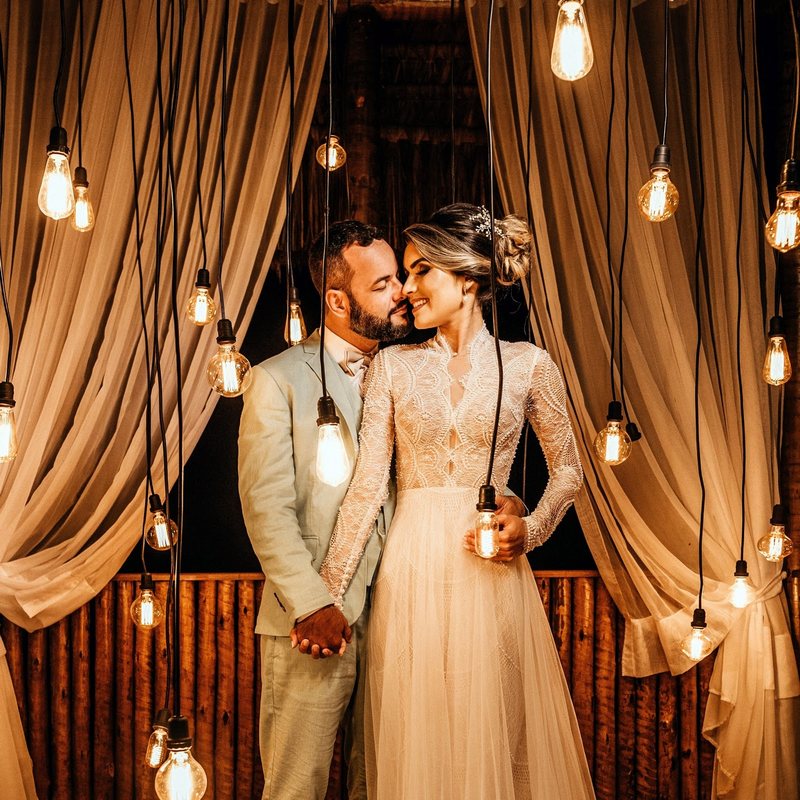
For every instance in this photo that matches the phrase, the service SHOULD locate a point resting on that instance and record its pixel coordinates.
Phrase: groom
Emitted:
(290, 516)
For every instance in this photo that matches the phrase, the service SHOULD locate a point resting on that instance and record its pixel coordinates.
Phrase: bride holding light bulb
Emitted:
(465, 693)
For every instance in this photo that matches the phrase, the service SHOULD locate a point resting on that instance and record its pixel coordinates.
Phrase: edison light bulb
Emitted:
(229, 372)
(157, 743)
(146, 610)
(612, 445)
(776, 545)
(783, 227)
(82, 219)
(658, 198)
(333, 463)
(163, 533)
(180, 777)
(56, 196)
(777, 364)
(742, 592)
(487, 530)
(336, 154)
(295, 330)
(8, 425)
(696, 645)
(572, 55)
(201, 308)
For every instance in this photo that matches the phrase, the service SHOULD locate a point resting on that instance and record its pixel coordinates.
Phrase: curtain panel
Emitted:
(641, 519)
(72, 503)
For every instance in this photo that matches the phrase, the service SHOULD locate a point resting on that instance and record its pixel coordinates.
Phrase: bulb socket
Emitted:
(155, 503)
(741, 570)
(203, 279)
(162, 719)
(633, 431)
(661, 158)
(58, 141)
(699, 618)
(487, 499)
(225, 332)
(294, 297)
(776, 327)
(146, 582)
(780, 515)
(178, 733)
(614, 411)
(326, 411)
(7, 394)
(81, 177)
(790, 177)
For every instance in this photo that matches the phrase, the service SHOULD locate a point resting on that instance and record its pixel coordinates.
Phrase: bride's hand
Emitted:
(512, 538)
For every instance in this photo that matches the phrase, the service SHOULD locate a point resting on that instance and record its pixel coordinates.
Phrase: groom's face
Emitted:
(378, 309)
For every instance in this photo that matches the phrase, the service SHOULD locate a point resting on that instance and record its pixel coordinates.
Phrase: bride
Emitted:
(465, 693)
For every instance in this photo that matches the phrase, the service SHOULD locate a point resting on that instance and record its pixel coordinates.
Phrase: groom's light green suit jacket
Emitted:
(288, 512)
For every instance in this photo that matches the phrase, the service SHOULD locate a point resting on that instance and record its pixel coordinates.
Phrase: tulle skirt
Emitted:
(466, 698)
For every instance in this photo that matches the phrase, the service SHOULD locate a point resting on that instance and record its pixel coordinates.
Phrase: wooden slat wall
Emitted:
(88, 688)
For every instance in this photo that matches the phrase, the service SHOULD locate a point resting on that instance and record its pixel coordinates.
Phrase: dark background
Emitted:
(413, 166)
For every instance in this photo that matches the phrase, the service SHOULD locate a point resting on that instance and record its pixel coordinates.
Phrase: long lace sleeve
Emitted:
(547, 412)
(369, 487)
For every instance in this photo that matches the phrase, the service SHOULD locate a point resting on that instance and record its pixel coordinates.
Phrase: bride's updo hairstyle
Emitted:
(457, 238)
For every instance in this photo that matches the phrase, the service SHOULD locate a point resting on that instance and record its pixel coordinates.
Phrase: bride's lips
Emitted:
(417, 304)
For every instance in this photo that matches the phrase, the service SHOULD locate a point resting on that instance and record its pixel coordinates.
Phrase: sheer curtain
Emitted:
(71, 504)
(642, 518)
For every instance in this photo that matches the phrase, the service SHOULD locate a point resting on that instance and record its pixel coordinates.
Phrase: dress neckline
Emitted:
(441, 343)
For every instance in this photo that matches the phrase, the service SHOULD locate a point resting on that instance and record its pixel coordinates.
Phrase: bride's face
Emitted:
(436, 295)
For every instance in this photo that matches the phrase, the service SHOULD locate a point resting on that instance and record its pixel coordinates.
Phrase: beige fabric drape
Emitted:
(641, 519)
(71, 504)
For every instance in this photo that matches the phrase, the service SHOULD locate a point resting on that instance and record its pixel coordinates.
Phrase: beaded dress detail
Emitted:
(465, 693)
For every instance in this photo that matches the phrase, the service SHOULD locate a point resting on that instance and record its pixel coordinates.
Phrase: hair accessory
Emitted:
(484, 222)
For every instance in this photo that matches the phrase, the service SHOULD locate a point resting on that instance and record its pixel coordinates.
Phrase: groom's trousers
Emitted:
(302, 703)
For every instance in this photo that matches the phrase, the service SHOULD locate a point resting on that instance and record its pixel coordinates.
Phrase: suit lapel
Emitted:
(340, 388)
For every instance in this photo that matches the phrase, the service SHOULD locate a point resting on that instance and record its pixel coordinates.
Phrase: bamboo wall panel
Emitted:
(89, 687)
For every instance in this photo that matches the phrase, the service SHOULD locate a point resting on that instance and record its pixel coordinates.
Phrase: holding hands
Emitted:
(512, 529)
(322, 633)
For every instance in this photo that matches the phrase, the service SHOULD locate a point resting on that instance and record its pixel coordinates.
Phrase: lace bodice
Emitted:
(440, 425)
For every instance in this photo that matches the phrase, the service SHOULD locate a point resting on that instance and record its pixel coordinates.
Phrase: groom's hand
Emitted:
(323, 633)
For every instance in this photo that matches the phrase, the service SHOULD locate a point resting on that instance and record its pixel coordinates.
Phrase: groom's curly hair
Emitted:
(340, 236)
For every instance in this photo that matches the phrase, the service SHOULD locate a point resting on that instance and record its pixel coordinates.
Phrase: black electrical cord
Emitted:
(6, 307)
(745, 119)
(626, 219)
(697, 295)
(198, 152)
(666, 71)
(791, 143)
(60, 73)
(326, 219)
(452, 102)
(290, 165)
(223, 132)
(493, 259)
(609, 256)
(80, 84)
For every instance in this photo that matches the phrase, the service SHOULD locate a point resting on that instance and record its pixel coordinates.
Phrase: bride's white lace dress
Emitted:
(466, 697)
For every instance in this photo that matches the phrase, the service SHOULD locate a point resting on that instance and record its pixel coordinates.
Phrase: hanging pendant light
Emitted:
(783, 227)
(56, 195)
(572, 56)
(8, 425)
(696, 644)
(337, 155)
(229, 372)
(180, 777)
(658, 198)
(82, 219)
(612, 445)
(147, 611)
(777, 365)
(163, 532)
(201, 308)
(295, 330)
(333, 463)
(776, 545)
(157, 743)
(487, 530)
(742, 592)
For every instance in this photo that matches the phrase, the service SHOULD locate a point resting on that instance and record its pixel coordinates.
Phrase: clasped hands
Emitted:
(326, 632)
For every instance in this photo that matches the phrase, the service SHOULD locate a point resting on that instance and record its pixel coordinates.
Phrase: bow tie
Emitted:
(355, 361)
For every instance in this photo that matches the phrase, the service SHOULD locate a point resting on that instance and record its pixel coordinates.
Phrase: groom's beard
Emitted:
(370, 326)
